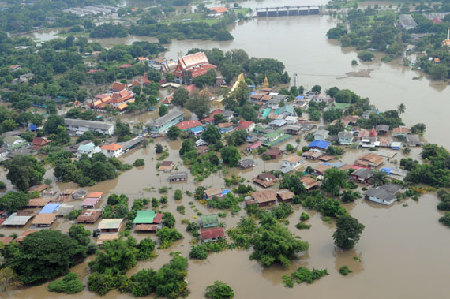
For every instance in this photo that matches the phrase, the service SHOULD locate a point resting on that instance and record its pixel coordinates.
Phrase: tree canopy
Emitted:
(44, 255)
(24, 171)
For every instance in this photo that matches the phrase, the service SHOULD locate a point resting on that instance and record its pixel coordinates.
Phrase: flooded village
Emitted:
(226, 166)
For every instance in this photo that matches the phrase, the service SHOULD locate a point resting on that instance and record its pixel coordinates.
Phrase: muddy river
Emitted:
(403, 252)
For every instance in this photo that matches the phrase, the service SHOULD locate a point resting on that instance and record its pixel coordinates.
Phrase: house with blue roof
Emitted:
(50, 208)
(87, 149)
(319, 145)
(196, 130)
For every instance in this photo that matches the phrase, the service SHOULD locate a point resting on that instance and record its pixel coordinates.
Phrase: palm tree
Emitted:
(379, 178)
(401, 108)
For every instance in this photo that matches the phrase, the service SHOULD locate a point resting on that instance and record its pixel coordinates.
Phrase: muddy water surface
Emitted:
(402, 253)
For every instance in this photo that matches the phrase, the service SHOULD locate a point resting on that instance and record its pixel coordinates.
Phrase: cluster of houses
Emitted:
(119, 95)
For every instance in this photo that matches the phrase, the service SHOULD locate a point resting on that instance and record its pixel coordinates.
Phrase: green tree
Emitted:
(180, 97)
(116, 257)
(219, 290)
(248, 112)
(316, 89)
(274, 244)
(52, 123)
(348, 232)
(211, 134)
(365, 56)
(69, 284)
(78, 233)
(173, 133)
(199, 104)
(230, 155)
(334, 179)
(198, 252)
(159, 148)
(162, 110)
(401, 108)
(24, 171)
(237, 137)
(178, 194)
(45, 255)
(13, 201)
(419, 128)
(168, 219)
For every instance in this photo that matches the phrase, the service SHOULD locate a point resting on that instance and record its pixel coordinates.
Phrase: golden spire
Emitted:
(266, 82)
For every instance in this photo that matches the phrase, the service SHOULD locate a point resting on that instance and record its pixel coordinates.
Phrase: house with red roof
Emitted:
(112, 150)
(40, 142)
(141, 81)
(116, 87)
(210, 118)
(192, 66)
(188, 124)
(246, 125)
(125, 66)
(211, 234)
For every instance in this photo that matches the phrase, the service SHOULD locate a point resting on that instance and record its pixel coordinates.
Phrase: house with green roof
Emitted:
(14, 142)
(146, 217)
(275, 137)
(147, 221)
(207, 221)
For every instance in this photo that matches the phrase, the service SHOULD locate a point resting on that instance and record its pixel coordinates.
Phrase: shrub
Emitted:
(304, 216)
(344, 270)
(198, 252)
(2, 185)
(219, 290)
(302, 225)
(139, 162)
(178, 194)
(181, 209)
(69, 284)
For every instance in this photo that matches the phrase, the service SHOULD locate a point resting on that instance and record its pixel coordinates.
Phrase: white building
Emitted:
(112, 150)
(79, 126)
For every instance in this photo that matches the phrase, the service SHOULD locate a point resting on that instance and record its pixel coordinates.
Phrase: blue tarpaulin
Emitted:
(319, 144)
(50, 208)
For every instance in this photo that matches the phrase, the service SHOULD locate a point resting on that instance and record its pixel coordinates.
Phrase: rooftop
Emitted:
(89, 124)
(110, 224)
(265, 196)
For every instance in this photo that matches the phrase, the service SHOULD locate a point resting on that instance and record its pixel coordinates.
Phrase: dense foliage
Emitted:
(44, 255)
(69, 284)
(24, 171)
(87, 171)
(219, 290)
(348, 231)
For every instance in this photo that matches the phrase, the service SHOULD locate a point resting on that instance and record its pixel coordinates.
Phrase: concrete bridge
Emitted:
(284, 11)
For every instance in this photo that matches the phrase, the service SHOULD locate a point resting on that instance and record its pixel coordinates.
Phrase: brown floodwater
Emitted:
(403, 252)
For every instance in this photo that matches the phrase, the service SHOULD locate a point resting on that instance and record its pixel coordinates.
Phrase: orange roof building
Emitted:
(219, 10)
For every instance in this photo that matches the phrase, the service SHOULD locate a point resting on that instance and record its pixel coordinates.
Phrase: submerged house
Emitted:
(370, 160)
(385, 194)
(207, 221)
(178, 177)
(290, 163)
(362, 175)
(211, 234)
(265, 179)
(148, 221)
(79, 126)
(265, 198)
(162, 124)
